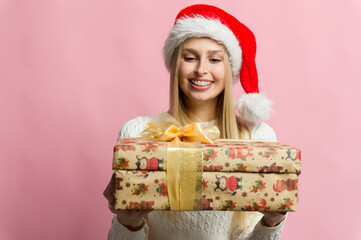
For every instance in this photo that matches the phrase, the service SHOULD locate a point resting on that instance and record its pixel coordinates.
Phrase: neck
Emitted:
(200, 111)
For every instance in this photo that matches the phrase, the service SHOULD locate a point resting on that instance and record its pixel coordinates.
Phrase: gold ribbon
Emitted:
(166, 132)
(184, 160)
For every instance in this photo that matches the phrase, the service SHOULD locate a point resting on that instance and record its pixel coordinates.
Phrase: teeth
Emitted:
(201, 83)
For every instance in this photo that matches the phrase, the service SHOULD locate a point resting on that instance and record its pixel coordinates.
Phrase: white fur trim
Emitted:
(198, 26)
(254, 107)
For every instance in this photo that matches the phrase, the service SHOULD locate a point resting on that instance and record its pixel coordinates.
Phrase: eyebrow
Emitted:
(209, 52)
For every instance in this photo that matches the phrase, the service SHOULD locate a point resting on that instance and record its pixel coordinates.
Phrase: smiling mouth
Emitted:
(201, 83)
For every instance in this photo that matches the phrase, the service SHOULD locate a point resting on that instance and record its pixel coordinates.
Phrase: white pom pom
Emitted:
(254, 107)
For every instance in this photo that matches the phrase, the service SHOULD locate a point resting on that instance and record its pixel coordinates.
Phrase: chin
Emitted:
(199, 98)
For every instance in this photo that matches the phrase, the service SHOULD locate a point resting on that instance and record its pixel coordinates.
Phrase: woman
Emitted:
(206, 51)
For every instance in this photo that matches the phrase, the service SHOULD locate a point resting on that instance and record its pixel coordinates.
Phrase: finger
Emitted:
(270, 214)
(108, 192)
(275, 213)
(147, 211)
(111, 207)
(137, 213)
(114, 210)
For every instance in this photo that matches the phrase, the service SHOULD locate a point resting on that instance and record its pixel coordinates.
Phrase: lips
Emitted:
(201, 84)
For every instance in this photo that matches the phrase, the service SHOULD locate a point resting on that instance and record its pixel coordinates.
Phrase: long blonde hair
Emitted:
(228, 124)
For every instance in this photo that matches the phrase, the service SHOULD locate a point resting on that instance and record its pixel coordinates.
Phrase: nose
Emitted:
(202, 67)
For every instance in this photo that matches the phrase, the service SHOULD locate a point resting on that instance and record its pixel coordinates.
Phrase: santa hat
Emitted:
(208, 21)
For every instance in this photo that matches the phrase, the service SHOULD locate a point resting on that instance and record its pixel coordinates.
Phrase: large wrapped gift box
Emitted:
(245, 175)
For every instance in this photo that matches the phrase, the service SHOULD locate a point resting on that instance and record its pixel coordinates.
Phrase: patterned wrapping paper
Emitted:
(223, 155)
(243, 175)
(221, 191)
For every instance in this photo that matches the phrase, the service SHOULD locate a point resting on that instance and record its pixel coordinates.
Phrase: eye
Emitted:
(190, 59)
(214, 60)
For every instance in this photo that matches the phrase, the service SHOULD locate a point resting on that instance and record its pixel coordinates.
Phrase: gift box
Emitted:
(245, 175)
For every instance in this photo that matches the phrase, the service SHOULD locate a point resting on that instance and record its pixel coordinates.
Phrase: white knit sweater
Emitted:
(194, 224)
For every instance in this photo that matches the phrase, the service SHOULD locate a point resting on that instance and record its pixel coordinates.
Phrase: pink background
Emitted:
(72, 72)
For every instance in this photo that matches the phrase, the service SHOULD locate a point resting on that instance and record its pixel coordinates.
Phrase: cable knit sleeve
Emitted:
(259, 232)
(133, 127)
(263, 131)
(117, 231)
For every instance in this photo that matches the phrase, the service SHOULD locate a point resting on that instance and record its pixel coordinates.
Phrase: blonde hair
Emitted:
(228, 124)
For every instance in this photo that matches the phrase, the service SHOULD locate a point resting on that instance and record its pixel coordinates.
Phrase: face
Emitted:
(143, 164)
(222, 183)
(201, 70)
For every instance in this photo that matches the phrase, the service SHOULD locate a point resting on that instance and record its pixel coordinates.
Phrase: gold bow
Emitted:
(184, 160)
(190, 133)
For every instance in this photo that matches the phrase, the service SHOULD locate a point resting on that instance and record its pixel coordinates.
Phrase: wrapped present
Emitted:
(221, 156)
(220, 191)
(245, 175)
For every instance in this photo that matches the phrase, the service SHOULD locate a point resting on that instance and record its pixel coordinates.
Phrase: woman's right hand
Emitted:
(132, 219)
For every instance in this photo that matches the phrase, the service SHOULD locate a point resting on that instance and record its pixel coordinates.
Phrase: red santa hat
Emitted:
(208, 21)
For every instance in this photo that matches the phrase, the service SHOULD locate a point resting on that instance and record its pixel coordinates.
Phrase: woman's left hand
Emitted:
(272, 219)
